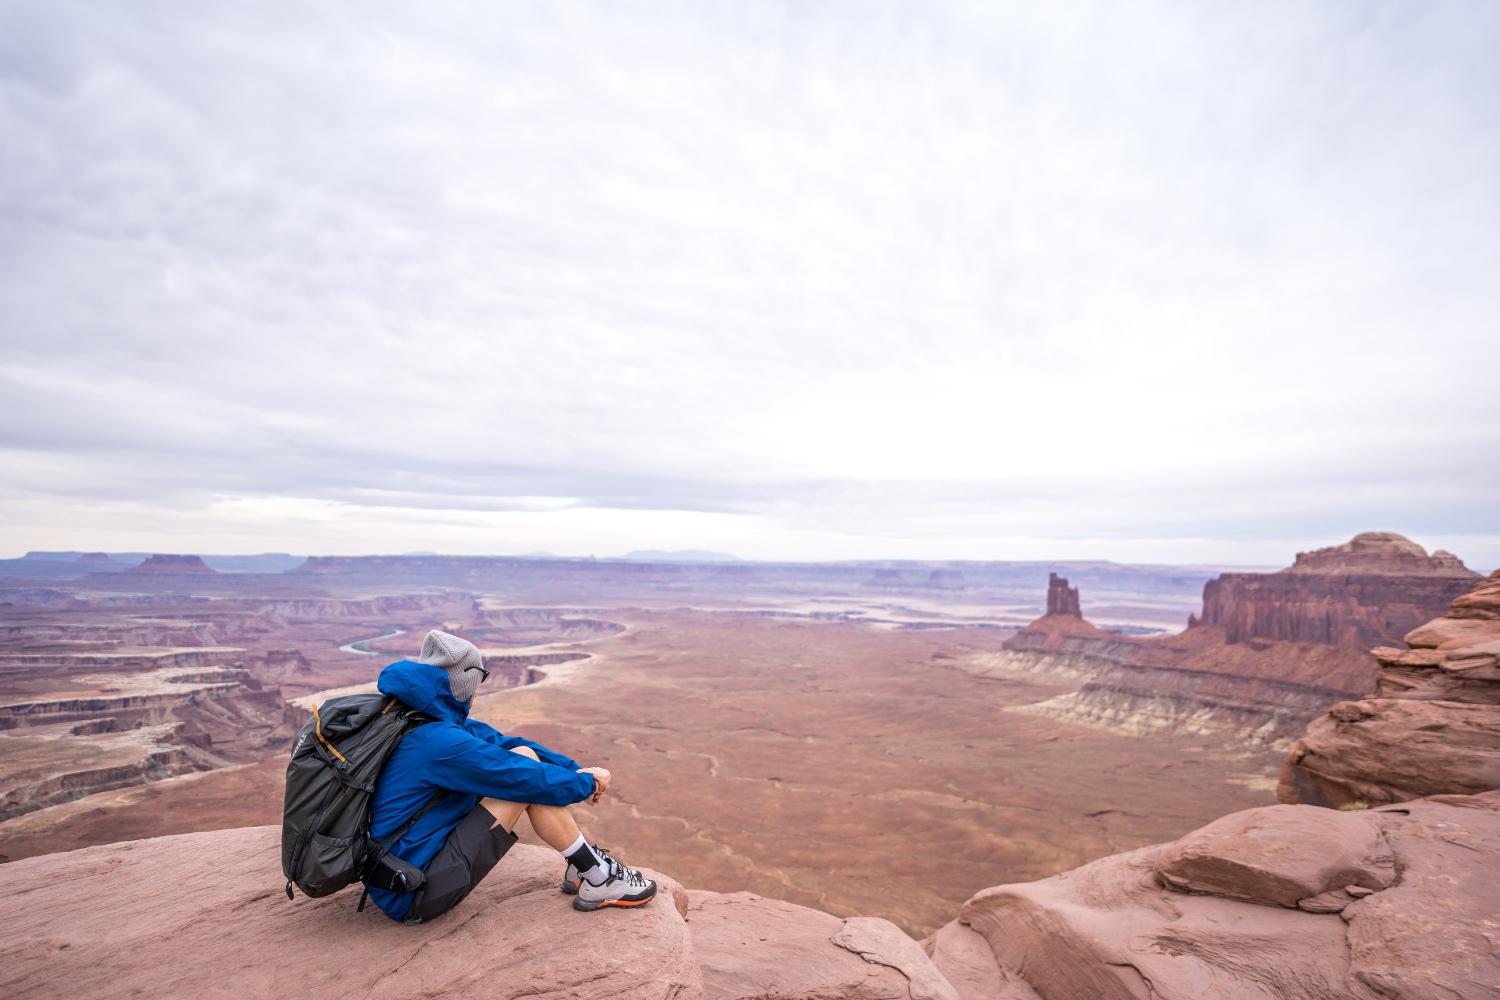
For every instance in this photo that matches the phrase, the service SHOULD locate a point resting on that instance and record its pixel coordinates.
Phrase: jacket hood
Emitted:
(423, 687)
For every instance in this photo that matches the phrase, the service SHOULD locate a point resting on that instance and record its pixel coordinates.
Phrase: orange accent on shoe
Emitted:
(627, 902)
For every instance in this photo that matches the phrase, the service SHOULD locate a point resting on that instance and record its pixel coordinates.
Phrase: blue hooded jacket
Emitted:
(462, 755)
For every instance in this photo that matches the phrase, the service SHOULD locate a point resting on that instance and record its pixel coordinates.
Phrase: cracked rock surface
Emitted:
(204, 915)
(1418, 922)
(752, 947)
(1279, 856)
(965, 957)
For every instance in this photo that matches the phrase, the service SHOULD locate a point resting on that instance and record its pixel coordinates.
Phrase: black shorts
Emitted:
(474, 847)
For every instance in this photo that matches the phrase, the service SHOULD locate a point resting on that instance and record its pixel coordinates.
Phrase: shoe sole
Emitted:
(645, 896)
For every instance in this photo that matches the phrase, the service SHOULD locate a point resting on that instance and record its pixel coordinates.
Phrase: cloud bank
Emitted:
(1178, 282)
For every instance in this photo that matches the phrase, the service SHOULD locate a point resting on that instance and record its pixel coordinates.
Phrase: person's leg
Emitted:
(554, 824)
(601, 881)
(472, 850)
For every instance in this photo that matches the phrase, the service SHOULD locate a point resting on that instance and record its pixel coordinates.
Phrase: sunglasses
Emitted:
(484, 674)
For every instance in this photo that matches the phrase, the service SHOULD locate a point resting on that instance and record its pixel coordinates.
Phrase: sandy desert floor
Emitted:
(845, 767)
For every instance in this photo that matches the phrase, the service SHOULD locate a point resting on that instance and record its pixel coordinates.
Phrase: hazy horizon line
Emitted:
(658, 556)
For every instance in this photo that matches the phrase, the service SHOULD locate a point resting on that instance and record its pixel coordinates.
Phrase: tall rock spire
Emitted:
(1061, 598)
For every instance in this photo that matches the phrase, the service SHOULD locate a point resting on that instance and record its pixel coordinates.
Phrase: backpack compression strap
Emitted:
(383, 876)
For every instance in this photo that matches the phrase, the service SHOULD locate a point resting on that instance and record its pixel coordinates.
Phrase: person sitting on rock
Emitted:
(490, 780)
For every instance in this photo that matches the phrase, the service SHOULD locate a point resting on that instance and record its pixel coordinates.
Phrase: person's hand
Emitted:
(601, 781)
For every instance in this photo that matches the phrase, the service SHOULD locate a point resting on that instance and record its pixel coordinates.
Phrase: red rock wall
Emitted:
(1432, 728)
(1352, 611)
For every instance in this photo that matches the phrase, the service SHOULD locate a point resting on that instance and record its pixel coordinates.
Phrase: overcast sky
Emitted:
(1198, 282)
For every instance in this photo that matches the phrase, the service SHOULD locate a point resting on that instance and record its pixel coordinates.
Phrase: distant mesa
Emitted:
(264, 562)
(1380, 553)
(59, 565)
(75, 555)
(678, 555)
(175, 565)
(1061, 598)
(1369, 591)
(887, 579)
(946, 579)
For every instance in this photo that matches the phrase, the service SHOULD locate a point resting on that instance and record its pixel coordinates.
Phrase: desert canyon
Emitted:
(865, 780)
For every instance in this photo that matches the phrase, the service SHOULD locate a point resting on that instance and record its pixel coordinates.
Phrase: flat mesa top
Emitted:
(1380, 553)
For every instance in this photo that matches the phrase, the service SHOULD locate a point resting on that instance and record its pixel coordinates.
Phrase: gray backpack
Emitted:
(325, 825)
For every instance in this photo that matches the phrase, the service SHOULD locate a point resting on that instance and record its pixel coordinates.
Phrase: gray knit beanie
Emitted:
(459, 657)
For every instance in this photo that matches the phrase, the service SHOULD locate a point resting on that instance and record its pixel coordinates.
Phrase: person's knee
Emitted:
(503, 813)
(526, 752)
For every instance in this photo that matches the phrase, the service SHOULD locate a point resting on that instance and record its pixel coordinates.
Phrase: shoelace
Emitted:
(629, 876)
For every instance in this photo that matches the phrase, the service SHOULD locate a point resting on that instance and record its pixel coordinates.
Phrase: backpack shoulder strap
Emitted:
(405, 828)
(383, 847)
(382, 875)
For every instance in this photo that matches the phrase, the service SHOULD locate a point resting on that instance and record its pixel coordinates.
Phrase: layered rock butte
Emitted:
(1268, 653)
(171, 565)
(1371, 590)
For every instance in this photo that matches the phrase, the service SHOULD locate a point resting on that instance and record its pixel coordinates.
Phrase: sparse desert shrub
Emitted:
(1354, 806)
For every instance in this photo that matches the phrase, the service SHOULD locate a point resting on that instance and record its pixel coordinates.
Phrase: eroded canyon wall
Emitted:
(1371, 590)
(1193, 682)
(1432, 725)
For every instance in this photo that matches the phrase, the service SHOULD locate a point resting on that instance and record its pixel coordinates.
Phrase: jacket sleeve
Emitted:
(548, 755)
(492, 735)
(463, 762)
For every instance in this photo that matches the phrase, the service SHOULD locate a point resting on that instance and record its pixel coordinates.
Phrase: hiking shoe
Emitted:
(624, 887)
(572, 876)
